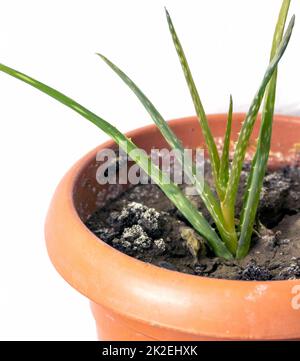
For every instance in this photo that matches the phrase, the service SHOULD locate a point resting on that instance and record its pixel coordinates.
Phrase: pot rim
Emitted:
(151, 294)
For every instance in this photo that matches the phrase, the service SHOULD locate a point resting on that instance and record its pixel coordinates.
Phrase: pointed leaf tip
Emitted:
(101, 56)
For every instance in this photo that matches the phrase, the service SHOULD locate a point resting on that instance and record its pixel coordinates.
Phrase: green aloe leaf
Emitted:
(171, 190)
(259, 163)
(211, 145)
(201, 186)
(163, 126)
(248, 124)
(224, 164)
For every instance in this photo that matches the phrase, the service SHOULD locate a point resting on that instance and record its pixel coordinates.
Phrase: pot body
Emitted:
(132, 300)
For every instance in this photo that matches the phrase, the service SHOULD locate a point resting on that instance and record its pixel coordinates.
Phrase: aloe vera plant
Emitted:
(232, 237)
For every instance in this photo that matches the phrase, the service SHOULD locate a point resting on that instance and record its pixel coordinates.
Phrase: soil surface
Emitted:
(144, 224)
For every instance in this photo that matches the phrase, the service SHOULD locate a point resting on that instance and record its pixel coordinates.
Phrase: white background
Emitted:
(54, 41)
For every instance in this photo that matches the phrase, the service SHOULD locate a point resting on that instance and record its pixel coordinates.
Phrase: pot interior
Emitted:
(89, 195)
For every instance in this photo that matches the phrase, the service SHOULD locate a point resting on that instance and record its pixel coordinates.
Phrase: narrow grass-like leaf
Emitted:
(211, 145)
(248, 124)
(202, 188)
(171, 190)
(224, 163)
(163, 126)
(259, 164)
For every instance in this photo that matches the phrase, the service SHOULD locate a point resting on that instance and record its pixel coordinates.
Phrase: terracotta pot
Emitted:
(132, 300)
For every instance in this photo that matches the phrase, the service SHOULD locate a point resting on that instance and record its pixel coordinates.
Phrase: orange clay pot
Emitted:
(132, 300)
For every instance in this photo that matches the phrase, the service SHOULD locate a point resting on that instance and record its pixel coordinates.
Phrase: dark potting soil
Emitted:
(144, 224)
